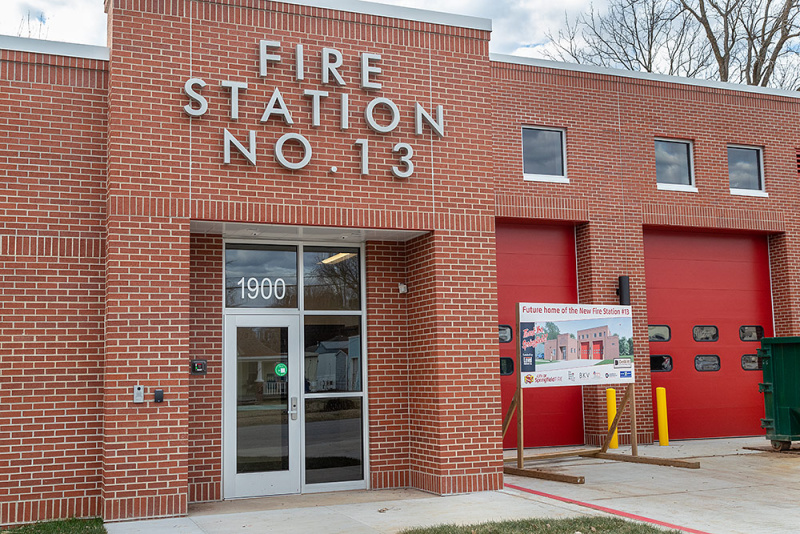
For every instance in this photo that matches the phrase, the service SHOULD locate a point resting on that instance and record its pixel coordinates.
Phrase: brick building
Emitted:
(260, 247)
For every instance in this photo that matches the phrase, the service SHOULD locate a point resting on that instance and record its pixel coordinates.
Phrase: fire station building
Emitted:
(258, 247)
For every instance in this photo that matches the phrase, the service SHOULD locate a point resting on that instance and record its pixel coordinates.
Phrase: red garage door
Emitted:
(537, 264)
(708, 304)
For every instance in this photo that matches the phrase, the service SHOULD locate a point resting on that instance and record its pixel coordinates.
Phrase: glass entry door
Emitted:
(262, 405)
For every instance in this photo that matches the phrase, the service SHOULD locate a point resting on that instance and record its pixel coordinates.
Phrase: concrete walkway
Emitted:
(736, 490)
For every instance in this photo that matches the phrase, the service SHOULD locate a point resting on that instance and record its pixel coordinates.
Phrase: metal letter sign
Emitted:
(575, 345)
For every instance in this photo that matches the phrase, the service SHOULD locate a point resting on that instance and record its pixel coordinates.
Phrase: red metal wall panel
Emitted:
(721, 280)
(536, 263)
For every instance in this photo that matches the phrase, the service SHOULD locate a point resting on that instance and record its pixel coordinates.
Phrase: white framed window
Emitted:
(746, 170)
(675, 165)
(544, 154)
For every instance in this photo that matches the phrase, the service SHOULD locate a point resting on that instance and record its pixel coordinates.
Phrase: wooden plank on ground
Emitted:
(669, 462)
(556, 454)
(545, 475)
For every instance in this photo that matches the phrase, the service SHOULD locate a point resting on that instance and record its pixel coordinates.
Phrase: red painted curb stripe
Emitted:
(607, 510)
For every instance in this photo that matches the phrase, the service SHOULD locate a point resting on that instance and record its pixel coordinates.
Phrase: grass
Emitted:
(68, 526)
(582, 525)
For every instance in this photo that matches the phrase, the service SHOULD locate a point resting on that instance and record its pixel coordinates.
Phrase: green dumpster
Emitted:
(780, 358)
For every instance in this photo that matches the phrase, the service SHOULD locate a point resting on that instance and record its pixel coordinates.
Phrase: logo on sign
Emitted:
(527, 360)
(625, 374)
(571, 376)
(622, 362)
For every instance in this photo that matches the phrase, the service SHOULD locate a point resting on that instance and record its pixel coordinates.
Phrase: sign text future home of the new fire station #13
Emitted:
(331, 61)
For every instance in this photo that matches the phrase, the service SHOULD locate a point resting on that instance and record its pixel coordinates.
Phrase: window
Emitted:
(674, 165)
(752, 362)
(544, 155)
(506, 366)
(506, 333)
(745, 170)
(706, 362)
(705, 333)
(659, 332)
(660, 363)
(751, 333)
(260, 276)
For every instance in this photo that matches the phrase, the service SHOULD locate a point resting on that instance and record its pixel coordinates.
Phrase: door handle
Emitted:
(293, 408)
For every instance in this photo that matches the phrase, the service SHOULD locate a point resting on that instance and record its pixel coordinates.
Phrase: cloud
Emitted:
(75, 21)
(519, 26)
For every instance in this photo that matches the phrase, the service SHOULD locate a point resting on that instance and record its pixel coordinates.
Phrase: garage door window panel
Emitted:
(660, 363)
(705, 333)
(707, 363)
(659, 332)
(751, 333)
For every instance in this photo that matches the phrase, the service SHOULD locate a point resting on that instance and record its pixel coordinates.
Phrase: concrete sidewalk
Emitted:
(736, 490)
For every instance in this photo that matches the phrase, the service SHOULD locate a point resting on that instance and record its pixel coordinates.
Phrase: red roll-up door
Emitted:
(536, 263)
(707, 288)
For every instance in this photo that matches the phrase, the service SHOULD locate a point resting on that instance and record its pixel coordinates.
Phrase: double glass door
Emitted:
(293, 411)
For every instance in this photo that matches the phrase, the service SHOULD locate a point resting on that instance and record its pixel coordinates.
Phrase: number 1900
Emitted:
(266, 288)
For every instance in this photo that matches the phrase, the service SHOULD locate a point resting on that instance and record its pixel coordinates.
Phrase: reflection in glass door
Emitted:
(262, 422)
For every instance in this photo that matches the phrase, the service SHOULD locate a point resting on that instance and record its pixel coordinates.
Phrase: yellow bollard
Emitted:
(661, 409)
(611, 407)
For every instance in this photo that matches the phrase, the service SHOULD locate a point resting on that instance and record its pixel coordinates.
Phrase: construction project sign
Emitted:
(575, 345)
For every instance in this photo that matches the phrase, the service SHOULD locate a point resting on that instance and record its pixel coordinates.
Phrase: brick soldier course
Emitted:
(107, 283)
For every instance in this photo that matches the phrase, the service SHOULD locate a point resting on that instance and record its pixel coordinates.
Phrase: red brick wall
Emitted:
(167, 166)
(205, 391)
(454, 392)
(52, 163)
(118, 171)
(610, 125)
(388, 365)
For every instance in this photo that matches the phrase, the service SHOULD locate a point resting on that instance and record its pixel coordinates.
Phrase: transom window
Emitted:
(745, 170)
(674, 168)
(544, 155)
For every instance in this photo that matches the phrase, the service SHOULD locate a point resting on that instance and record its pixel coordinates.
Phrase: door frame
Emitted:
(277, 482)
(299, 314)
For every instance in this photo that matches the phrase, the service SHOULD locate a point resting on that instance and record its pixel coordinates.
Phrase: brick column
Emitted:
(454, 396)
(608, 249)
(147, 343)
(145, 449)
(784, 248)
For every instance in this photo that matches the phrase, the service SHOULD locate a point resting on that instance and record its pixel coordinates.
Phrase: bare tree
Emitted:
(770, 27)
(746, 41)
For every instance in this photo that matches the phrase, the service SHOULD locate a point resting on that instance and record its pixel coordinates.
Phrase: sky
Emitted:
(519, 26)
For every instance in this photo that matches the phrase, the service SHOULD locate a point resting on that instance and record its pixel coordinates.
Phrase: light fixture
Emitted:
(338, 257)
